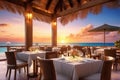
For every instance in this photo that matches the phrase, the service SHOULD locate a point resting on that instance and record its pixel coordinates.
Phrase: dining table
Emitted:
(77, 67)
(31, 57)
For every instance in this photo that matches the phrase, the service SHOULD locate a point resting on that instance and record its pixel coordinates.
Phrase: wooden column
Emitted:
(54, 32)
(28, 27)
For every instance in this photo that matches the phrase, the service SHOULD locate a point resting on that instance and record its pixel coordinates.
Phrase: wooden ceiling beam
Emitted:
(81, 7)
(64, 6)
(61, 5)
(29, 1)
(42, 12)
(71, 3)
(78, 1)
(57, 7)
(48, 4)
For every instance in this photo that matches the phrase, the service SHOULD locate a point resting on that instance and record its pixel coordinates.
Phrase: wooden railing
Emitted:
(9, 48)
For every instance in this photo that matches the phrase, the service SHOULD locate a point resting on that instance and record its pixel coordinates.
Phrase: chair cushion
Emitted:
(21, 63)
(92, 77)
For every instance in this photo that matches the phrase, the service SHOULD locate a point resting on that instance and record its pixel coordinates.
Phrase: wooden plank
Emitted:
(71, 3)
(41, 12)
(48, 4)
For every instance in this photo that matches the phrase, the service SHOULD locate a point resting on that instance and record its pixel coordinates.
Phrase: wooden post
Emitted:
(28, 27)
(54, 32)
(104, 37)
(8, 48)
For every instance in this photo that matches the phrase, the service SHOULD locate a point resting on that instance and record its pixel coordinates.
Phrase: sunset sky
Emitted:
(12, 28)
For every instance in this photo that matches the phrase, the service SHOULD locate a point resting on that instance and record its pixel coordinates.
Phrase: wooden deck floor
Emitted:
(23, 76)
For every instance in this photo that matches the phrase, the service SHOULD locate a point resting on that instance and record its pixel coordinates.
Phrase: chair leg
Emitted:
(27, 70)
(27, 73)
(19, 71)
(40, 75)
(36, 69)
(9, 74)
(7, 71)
(24, 69)
(15, 75)
(116, 65)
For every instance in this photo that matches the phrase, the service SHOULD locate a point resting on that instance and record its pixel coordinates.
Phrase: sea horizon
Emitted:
(68, 43)
(3, 49)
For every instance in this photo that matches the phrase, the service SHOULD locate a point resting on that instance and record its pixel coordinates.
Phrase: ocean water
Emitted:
(3, 49)
(96, 44)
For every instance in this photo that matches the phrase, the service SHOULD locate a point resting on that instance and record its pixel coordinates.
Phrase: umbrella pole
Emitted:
(104, 37)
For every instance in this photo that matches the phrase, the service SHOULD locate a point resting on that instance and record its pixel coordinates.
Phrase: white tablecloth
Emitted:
(29, 56)
(99, 51)
(76, 70)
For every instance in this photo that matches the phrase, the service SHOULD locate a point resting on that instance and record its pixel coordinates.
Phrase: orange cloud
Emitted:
(2, 31)
(3, 25)
(6, 39)
(85, 36)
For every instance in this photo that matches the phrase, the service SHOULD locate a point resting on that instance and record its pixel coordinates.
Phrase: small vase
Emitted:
(73, 56)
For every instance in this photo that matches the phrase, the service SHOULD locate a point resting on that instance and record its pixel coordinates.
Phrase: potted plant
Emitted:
(117, 43)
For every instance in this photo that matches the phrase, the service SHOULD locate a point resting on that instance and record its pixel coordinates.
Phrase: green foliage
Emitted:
(117, 43)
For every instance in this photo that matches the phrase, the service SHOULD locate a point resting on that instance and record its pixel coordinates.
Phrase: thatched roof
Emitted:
(65, 10)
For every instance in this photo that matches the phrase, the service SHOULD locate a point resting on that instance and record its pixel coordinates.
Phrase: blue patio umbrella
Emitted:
(105, 28)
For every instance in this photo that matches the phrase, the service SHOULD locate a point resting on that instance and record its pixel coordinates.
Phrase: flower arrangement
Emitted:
(33, 48)
(74, 52)
(117, 43)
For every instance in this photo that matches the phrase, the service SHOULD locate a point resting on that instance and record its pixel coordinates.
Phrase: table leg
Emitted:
(34, 74)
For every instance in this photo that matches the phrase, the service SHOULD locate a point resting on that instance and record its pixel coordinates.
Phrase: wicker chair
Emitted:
(112, 53)
(48, 49)
(51, 54)
(92, 55)
(12, 63)
(48, 55)
(47, 70)
(63, 49)
(105, 73)
(80, 48)
(106, 70)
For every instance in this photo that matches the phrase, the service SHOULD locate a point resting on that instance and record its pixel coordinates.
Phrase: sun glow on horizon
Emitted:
(62, 41)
